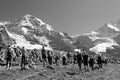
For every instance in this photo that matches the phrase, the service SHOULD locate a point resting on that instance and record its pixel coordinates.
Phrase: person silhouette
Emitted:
(91, 63)
(99, 61)
(49, 58)
(23, 58)
(79, 60)
(43, 56)
(56, 59)
(8, 57)
(85, 60)
(64, 59)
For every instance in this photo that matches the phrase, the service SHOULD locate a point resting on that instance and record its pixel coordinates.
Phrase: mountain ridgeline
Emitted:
(31, 32)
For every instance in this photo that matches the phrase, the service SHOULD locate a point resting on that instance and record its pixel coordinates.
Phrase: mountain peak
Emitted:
(28, 15)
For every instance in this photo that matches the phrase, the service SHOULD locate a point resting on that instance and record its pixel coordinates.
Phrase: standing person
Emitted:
(56, 59)
(68, 57)
(43, 56)
(64, 59)
(23, 58)
(85, 60)
(49, 58)
(91, 63)
(79, 60)
(99, 61)
(8, 57)
(75, 58)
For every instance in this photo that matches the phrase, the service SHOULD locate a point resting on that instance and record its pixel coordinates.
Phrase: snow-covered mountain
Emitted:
(109, 30)
(31, 32)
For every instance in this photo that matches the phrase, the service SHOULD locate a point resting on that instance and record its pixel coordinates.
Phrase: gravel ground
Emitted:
(71, 72)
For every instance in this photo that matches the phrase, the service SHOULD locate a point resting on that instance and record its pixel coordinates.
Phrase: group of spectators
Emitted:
(90, 61)
(84, 60)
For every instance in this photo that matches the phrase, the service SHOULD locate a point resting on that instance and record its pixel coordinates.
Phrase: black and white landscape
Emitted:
(59, 40)
(32, 33)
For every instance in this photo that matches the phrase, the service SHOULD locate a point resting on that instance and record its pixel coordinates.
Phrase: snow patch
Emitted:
(92, 33)
(93, 38)
(22, 42)
(25, 30)
(42, 23)
(26, 23)
(77, 50)
(101, 47)
(49, 28)
(3, 23)
(113, 27)
(61, 33)
(42, 40)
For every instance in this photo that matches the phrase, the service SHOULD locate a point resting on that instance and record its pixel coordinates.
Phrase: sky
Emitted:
(72, 16)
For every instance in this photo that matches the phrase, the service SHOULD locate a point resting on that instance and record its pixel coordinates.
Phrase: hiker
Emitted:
(56, 59)
(91, 63)
(79, 60)
(43, 56)
(75, 58)
(49, 58)
(8, 57)
(85, 60)
(99, 61)
(23, 58)
(68, 57)
(64, 59)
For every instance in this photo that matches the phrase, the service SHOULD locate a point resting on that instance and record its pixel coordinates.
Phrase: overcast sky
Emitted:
(71, 16)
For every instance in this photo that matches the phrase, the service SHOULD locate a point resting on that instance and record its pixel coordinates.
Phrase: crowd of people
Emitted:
(28, 59)
(90, 61)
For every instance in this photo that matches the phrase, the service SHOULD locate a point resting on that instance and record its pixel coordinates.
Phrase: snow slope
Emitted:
(49, 28)
(25, 30)
(61, 34)
(22, 42)
(101, 47)
(113, 27)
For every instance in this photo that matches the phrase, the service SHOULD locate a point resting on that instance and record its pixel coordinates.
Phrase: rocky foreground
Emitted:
(71, 72)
